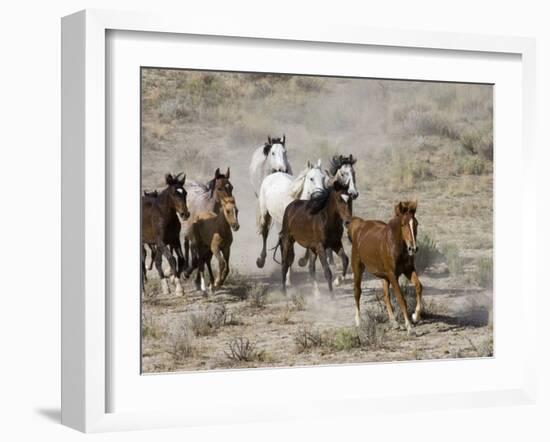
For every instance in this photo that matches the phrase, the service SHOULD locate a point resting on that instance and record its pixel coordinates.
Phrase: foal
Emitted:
(212, 236)
(315, 224)
(387, 251)
(161, 227)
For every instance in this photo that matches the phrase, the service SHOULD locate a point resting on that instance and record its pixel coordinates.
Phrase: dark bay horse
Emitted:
(340, 171)
(315, 224)
(212, 236)
(160, 227)
(387, 251)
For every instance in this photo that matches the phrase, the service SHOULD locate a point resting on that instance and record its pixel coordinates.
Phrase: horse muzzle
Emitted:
(235, 227)
(412, 250)
(185, 215)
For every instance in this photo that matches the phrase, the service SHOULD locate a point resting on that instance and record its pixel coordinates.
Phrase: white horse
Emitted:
(278, 190)
(268, 159)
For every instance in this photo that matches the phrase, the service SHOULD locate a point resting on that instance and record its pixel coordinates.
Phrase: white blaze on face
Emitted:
(277, 158)
(412, 233)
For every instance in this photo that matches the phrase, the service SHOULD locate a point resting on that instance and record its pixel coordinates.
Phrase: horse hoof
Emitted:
(179, 291)
(415, 317)
(302, 262)
(260, 262)
(338, 280)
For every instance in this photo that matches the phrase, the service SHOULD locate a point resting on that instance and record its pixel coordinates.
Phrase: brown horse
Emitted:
(212, 236)
(315, 224)
(161, 226)
(205, 198)
(387, 251)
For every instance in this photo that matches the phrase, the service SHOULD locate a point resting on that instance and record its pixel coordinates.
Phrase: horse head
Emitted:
(177, 194)
(342, 203)
(405, 211)
(275, 155)
(314, 180)
(230, 212)
(342, 171)
(220, 185)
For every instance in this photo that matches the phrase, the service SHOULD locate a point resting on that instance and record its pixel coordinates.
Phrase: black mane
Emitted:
(317, 201)
(338, 161)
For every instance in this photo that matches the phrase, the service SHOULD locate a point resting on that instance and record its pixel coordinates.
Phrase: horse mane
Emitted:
(338, 161)
(317, 201)
(297, 185)
(199, 190)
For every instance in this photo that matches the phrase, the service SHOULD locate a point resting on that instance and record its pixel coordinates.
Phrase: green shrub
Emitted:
(427, 252)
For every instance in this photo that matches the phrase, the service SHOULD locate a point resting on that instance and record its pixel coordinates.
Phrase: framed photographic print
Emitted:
(249, 214)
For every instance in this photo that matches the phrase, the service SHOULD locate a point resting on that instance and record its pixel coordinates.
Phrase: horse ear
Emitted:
(352, 160)
(309, 164)
(168, 178)
(269, 139)
(284, 139)
(319, 162)
(227, 174)
(182, 180)
(217, 173)
(413, 205)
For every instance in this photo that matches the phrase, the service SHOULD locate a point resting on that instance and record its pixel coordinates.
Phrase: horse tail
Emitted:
(279, 244)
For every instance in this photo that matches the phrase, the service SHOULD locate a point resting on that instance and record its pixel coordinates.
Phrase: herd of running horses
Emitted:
(312, 208)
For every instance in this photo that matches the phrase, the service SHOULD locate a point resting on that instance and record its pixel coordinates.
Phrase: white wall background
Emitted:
(30, 214)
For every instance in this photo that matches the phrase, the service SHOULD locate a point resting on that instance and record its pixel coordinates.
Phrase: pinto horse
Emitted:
(268, 159)
(387, 251)
(315, 224)
(212, 236)
(160, 227)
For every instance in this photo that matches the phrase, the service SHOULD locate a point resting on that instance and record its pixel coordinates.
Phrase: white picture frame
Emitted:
(85, 198)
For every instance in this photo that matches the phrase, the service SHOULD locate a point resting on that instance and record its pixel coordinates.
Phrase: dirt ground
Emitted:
(411, 140)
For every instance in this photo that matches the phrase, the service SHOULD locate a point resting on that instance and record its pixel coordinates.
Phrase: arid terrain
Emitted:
(413, 140)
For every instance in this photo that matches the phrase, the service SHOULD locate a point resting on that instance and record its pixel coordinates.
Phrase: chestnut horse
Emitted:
(315, 224)
(387, 251)
(211, 236)
(160, 227)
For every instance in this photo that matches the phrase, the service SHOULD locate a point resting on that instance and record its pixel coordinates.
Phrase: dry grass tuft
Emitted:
(242, 350)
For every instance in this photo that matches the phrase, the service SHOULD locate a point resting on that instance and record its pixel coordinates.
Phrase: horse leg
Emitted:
(330, 256)
(326, 267)
(163, 281)
(401, 301)
(358, 269)
(287, 252)
(226, 252)
(265, 222)
(143, 267)
(222, 264)
(413, 277)
(304, 259)
(153, 254)
(387, 301)
(210, 274)
(345, 262)
(186, 249)
(312, 259)
(180, 266)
